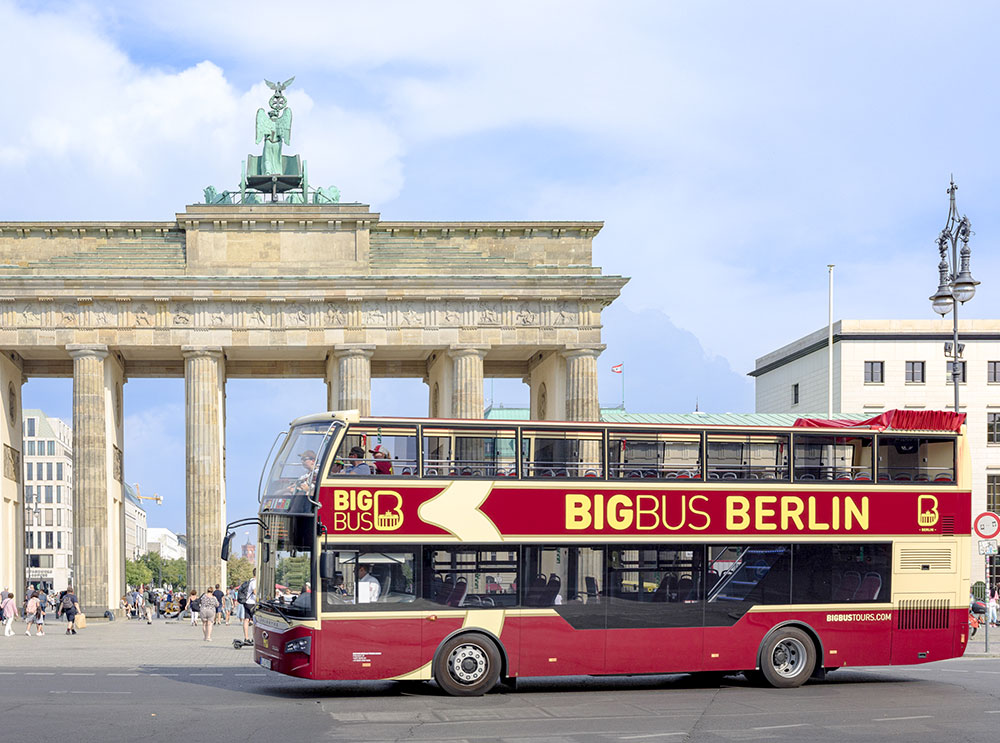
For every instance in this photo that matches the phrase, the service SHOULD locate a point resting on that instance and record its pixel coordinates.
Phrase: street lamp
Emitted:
(36, 513)
(956, 285)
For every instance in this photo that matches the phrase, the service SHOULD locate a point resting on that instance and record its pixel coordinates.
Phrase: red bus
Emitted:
(470, 552)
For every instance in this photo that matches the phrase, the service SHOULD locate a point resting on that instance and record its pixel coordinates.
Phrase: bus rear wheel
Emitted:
(467, 666)
(787, 658)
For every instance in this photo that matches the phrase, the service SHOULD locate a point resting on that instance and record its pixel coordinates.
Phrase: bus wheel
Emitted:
(467, 666)
(787, 658)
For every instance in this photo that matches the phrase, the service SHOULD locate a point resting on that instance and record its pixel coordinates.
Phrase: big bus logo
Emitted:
(927, 510)
(365, 510)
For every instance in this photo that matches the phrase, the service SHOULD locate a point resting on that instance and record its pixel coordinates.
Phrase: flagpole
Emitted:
(623, 388)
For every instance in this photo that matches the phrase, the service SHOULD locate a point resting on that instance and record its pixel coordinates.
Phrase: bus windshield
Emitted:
(286, 573)
(297, 463)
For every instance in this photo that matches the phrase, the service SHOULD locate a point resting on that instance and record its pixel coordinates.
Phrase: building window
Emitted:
(48, 540)
(874, 372)
(52, 448)
(992, 431)
(48, 493)
(31, 540)
(993, 372)
(29, 448)
(795, 394)
(915, 372)
(58, 493)
(30, 425)
(961, 371)
(48, 470)
(29, 469)
(59, 471)
(58, 517)
(58, 540)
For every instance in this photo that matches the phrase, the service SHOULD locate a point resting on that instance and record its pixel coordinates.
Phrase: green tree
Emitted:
(154, 562)
(137, 573)
(238, 569)
(175, 573)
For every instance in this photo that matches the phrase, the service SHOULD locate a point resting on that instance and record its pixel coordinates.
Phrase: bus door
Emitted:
(655, 608)
(562, 612)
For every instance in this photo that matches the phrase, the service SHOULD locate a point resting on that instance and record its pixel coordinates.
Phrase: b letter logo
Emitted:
(363, 510)
(927, 511)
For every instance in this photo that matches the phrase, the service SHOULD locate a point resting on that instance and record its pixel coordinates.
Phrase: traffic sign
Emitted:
(987, 525)
(987, 546)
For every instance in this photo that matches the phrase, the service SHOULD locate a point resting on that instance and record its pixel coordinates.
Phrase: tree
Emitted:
(137, 573)
(175, 573)
(238, 569)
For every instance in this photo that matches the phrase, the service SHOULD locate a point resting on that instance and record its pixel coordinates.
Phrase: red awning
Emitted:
(896, 420)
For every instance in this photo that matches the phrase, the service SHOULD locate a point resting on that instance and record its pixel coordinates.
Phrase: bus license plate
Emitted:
(265, 663)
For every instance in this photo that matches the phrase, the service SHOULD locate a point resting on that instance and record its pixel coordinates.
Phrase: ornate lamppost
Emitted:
(956, 285)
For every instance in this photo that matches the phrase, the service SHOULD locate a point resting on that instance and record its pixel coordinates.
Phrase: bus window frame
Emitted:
(747, 435)
(655, 432)
(846, 432)
(602, 439)
(920, 436)
(480, 428)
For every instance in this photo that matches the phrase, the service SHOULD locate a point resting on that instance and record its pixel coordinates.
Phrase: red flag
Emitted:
(618, 368)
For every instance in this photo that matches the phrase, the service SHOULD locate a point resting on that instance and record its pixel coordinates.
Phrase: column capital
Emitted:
(83, 350)
(467, 349)
(365, 350)
(194, 352)
(572, 350)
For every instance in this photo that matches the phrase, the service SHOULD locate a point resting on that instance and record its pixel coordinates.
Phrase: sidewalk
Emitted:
(129, 644)
(977, 644)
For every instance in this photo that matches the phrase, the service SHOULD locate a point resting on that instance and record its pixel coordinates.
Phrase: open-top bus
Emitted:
(489, 550)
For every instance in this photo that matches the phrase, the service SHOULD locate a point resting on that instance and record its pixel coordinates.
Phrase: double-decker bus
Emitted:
(469, 552)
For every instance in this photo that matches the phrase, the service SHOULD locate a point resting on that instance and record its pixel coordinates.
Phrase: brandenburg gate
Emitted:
(275, 281)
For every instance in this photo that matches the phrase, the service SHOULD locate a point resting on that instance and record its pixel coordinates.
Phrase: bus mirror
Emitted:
(327, 565)
(226, 544)
(266, 557)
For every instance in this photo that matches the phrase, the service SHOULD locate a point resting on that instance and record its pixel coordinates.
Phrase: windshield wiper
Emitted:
(273, 605)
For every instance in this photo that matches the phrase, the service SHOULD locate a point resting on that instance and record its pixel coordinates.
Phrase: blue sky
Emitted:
(732, 149)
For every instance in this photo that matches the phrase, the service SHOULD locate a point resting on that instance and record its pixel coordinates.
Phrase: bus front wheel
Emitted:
(787, 658)
(467, 666)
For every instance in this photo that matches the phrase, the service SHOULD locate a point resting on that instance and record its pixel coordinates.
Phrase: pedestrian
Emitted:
(33, 614)
(149, 600)
(228, 601)
(69, 605)
(992, 604)
(249, 606)
(219, 595)
(195, 606)
(207, 612)
(8, 610)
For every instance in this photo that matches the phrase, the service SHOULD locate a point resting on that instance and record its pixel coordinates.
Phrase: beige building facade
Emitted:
(277, 290)
(883, 364)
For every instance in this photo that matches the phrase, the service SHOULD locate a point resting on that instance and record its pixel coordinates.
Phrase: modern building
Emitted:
(167, 544)
(884, 364)
(48, 496)
(135, 525)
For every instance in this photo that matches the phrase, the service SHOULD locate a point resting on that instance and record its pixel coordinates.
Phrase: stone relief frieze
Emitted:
(257, 316)
(563, 314)
(336, 316)
(143, 315)
(183, 315)
(411, 315)
(11, 463)
(375, 316)
(295, 316)
(490, 313)
(117, 463)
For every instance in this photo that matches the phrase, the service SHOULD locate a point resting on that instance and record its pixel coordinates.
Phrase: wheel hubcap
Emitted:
(788, 657)
(467, 664)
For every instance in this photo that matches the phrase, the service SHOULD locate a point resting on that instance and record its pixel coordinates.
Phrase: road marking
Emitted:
(100, 692)
(205, 674)
(40, 673)
(123, 674)
(250, 674)
(986, 671)
(894, 719)
(78, 674)
(162, 674)
(779, 727)
(991, 712)
(948, 670)
(651, 735)
(7, 673)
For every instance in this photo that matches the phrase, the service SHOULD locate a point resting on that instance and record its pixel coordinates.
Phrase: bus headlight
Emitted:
(299, 645)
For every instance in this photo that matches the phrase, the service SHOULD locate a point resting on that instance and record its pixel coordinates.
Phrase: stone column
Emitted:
(90, 478)
(205, 415)
(467, 385)
(353, 378)
(581, 383)
(12, 506)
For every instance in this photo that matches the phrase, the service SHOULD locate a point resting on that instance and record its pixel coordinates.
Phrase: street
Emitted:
(130, 681)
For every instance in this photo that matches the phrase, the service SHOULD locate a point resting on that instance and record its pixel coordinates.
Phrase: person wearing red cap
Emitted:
(383, 463)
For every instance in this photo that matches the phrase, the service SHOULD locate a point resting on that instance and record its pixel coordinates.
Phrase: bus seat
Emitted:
(406, 472)
(729, 476)
(849, 584)
(865, 476)
(590, 473)
(922, 478)
(684, 587)
(533, 596)
(650, 475)
(551, 590)
(430, 472)
(457, 594)
(666, 589)
(591, 583)
(492, 586)
(944, 477)
(903, 476)
(869, 588)
(635, 473)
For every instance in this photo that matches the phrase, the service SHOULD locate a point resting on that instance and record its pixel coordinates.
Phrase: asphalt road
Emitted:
(950, 700)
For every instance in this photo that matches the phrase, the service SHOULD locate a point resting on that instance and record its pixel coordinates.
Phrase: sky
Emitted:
(732, 150)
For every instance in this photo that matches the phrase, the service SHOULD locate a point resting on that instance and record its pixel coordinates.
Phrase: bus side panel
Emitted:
(367, 648)
(926, 645)
(550, 646)
(657, 650)
(433, 630)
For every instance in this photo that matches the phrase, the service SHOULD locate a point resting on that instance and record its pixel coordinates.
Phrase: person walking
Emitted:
(149, 600)
(69, 606)
(228, 602)
(195, 606)
(220, 609)
(8, 610)
(209, 605)
(249, 607)
(33, 614)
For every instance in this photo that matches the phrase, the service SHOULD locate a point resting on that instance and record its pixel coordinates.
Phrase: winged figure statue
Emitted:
(274, 131)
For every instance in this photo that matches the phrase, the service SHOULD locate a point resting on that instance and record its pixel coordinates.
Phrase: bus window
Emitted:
(916, 458)
(655, 585)
(841, 573)
(748, 574)
(365, 577)
(552, 453)
(295, 466)
(663, 456)
(475, 577)
(556, 576)
(457, 452)
(747, 457)
(389, 450)
(839, 458)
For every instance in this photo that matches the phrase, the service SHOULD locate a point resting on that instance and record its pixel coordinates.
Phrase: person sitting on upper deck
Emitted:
(383, 463)
(356, 464)
(306, 480)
